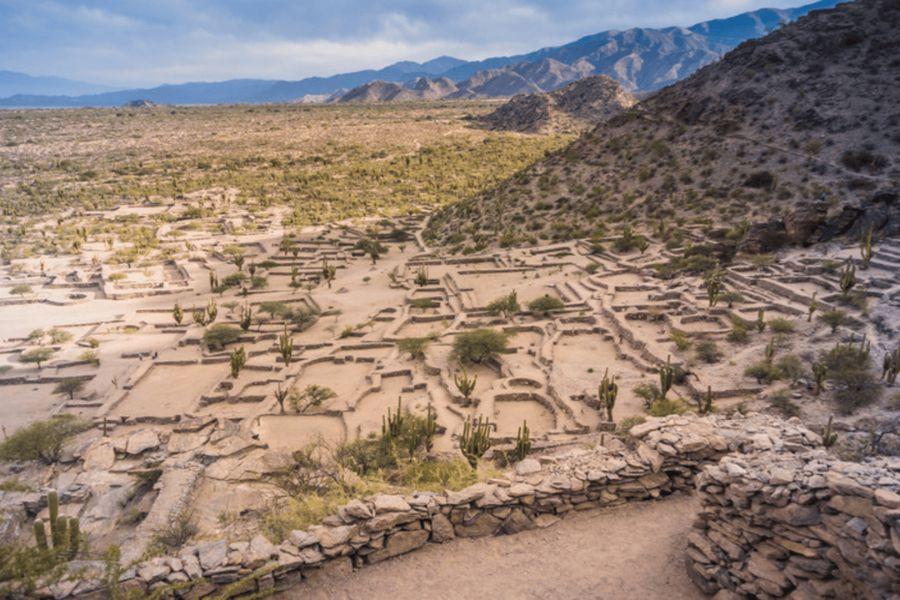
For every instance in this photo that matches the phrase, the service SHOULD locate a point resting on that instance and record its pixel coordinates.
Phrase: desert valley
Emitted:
(259, 349)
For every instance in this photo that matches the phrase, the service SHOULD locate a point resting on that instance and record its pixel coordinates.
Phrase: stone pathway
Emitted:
(631, 552)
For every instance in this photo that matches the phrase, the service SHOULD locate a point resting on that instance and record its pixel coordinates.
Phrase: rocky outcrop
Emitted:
(804, 525)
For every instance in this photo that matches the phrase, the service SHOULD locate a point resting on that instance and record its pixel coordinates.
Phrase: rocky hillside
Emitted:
(799, 130)
(579, 104)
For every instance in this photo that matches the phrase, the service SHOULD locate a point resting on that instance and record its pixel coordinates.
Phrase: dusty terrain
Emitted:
(629, 553)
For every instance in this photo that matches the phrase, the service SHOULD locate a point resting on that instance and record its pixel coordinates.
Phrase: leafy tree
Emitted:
(220, 335)
(479, 345)
(69, 387)
(43, 440)
(37, 355)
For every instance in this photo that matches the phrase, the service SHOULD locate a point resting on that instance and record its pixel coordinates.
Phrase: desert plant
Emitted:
(848, 279)
(523, 442)
(281, 395)
(819, 371)
(392, 424)
(329, 273)
(21, 290)
(475, 439)
(465, 384)
(415, 346)
(714, 286)
(763, 371)
(731, 297)
(791, 367)
(813, 307)
(708, 352)
(705, 402)
(312, 395)
(212, 310)
(666, 373)
(200, 317)
(430, 427)
(865, 249)
(781, 325)
(237, 359)
(507, 305)
(286, 346)
(849, 371)
(178, 314)
(607, 392)
(761, 320)
(69, 387)
(890, 366)
(373, 248)
(829, 437)
(479, 345)
(42, 440)
(422, 277)
(833, 318)
(246, 317)
(37, 356)
(220, 335)
(545, 305)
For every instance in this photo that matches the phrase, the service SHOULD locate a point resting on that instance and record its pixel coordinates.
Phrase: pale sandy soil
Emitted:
(631, 552)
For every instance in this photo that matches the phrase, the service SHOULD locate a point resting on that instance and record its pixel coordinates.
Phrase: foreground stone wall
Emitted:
(803, 526)
(664, 456)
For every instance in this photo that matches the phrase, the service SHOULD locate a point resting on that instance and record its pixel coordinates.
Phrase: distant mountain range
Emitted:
(12, 83)
(640, 59)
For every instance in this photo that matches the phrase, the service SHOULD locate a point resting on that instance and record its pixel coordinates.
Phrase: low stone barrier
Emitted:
(799, 526)
(663, 456)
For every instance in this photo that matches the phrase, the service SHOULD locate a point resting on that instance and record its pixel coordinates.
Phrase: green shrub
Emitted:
(37, 355)
(681, 340)
(708, 352)
(545, 305)
(791, 367)
(849, 370)
(415, 346)
(781, 325)
(479, 345)
(43, 440)
(220, 335)
(507, 305)
(763, 372)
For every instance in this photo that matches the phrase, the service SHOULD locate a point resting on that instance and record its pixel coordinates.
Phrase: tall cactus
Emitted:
(430, 427)
(246, 317)
(212, 310)
(286, 346)
(714, 286)
(891, 366)
(829, 437)
(607, 393)
(237, 358)
(848, 278)
(813, 307)
(666, 376)
(178, 313)
(705, 402)
(65, 532)
(761, 320)
(819, 371)
(475, 439)
(865, 249)
(40, 534)
(465, 384)
(392, 425)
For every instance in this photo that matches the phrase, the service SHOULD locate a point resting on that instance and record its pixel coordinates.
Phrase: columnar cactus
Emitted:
(65, 532)
(178, 314)
(705, 402)
(430, 427)
(829, 437)
(819, 370)
(246, 317)
(865, 249)
(212, 310)
(891, 366)
(761, 320)
(523, 441)
(465, 384)
(714, 287)
(237, 358)
(475, 439)
(286, 346)
(848, 278)
(607, 393)
(392, 425)
(813, 307)
(666, 376)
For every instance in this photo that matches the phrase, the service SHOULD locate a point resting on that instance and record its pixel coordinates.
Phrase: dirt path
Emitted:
(631, 552)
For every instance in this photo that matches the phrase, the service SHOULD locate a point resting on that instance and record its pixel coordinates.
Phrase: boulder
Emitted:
(399, 543)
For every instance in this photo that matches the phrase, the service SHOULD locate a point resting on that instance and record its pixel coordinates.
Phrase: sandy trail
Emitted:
(630, 552)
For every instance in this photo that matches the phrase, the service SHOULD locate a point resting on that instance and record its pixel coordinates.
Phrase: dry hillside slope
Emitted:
(799, 131)
(579, 104)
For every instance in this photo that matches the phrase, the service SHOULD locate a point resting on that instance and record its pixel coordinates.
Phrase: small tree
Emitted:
(415, 346)
(69, 387)
(506, 306)
(479, 345)
(37, 355)
(313, 395)
(43, 440)
(545, 305)
(281, 395)
(220, 335)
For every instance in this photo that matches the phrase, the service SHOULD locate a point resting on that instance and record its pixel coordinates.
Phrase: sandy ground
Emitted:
(631, 552)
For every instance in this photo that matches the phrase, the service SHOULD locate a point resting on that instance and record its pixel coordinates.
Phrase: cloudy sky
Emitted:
(148, 42)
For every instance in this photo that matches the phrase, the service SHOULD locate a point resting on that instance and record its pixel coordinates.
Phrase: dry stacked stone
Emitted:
(802, 525)
(662, 456)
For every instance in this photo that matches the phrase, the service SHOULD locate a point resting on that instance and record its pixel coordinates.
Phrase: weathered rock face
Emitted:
(802, 525)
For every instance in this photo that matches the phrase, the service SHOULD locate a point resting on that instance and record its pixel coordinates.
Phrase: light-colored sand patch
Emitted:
(169, 390)
(293, 432)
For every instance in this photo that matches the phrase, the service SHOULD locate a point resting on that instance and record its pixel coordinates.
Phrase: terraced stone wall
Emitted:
(799, 526)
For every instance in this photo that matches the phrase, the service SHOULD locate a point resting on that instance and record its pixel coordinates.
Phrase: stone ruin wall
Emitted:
(668, 455)
(804, 526)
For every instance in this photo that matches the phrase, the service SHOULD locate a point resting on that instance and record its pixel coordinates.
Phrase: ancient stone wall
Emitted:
(802, 525)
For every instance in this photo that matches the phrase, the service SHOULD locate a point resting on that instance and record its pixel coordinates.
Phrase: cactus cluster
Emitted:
(607, 393)
(714, 286)
(246, 317)
(392, 424)
(848, 278)
(212, 310)
(475, 439)
(178, 314)
(422, 277)
(465, 384)
(65, 532)
(761, 320)
(430, 427)
(237, 358)
(523, 441)
(819, 371)
(813, 307)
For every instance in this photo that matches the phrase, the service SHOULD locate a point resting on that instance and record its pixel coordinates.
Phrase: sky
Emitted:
(132, 43)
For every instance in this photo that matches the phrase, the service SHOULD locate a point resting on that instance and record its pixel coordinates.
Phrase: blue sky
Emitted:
(148, 42)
